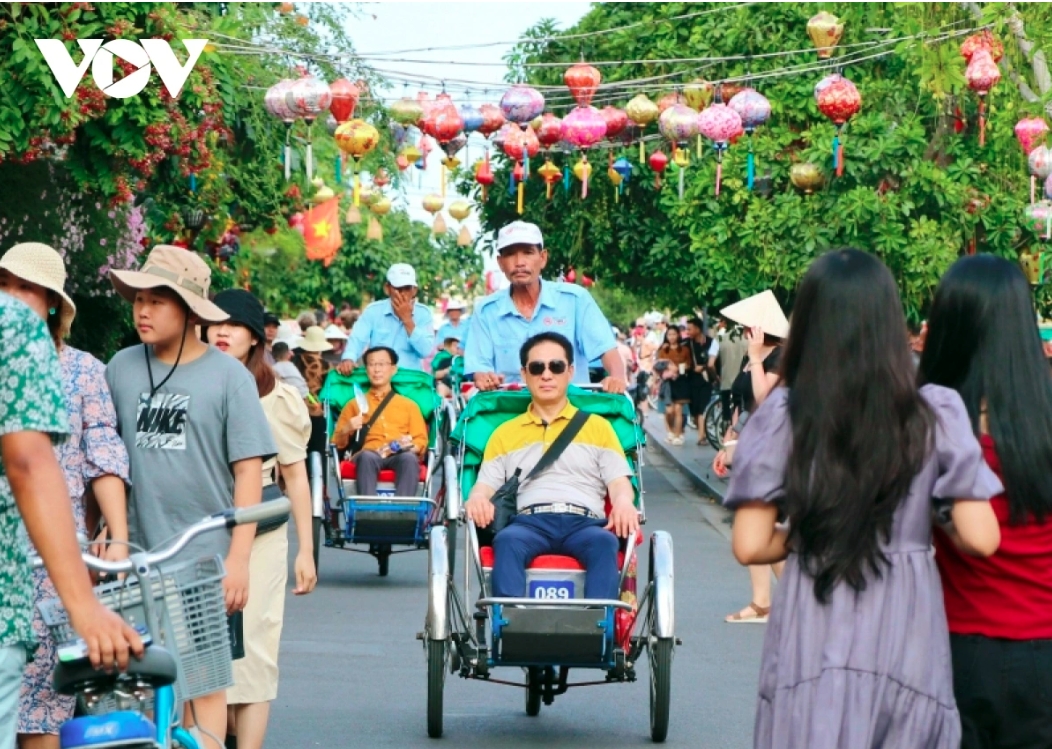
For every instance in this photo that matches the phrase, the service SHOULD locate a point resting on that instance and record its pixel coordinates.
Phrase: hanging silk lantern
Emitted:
(433, 204)
(982, 40)
(839, 100)
(444, 119)
(550, 174)
(698, 94)
(308, 97)
(623, 167)
(1031, 132)
(583, 171)
(806, 177)
(484, 176)
(583, 81)
(616, 121)
(399, 134)
(356, 138)
(344, 99)
(424, 100)
(518, 184)
(642, 111)
(406, 111)
(460, 210)
(550, 130)
(670, 100)
(825, 31)
(583, 127)
(719, 123)
(754, 109)
(1038, 218)
(402, 162)
(521, 144)
(379, 207)
(520, 104)
(678, 124)
(471, 117)
(982, 75)
(381, 178)
(275, 102)
(658, 162)
(492, 119)
(616, 179)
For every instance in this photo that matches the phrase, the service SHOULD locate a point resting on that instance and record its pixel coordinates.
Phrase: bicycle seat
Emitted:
(121, 728)
(156, 667)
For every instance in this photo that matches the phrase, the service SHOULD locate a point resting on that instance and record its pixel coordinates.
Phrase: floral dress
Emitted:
(94, 449)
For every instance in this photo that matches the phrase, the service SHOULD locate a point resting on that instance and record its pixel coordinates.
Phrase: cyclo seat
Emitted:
(156, 667)
(349, 470)
(545, 561)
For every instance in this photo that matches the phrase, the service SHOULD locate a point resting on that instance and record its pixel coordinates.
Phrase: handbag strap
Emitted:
(364, 431)
(560, 444)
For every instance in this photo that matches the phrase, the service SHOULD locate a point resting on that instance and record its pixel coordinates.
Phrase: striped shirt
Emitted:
(581, 474)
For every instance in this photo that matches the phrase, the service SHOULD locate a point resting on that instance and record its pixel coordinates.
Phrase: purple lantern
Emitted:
(308, 97)
(678, 123)
(277, 105)
(472, 118)
(521, 104)
(754, 109)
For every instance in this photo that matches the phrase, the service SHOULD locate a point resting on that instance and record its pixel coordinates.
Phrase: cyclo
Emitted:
(345, 519)
(555, 628)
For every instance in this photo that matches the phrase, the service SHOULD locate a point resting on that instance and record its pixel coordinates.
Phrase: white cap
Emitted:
(400, 275)
(456, 304)
(333, 333)
(519, 232)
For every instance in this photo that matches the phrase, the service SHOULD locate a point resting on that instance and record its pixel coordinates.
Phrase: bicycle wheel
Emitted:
(436, 681)
(715, 427)
(660, 652)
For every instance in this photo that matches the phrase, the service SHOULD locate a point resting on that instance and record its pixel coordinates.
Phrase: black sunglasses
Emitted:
(536, 368)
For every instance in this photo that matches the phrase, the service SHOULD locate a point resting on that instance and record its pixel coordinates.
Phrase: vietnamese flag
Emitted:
(321, 231)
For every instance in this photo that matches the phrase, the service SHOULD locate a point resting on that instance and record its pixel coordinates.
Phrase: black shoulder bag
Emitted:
(356, 443)
(506, 500)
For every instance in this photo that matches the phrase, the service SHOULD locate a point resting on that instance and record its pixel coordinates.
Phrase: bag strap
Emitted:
(364, 431)
(561, 443)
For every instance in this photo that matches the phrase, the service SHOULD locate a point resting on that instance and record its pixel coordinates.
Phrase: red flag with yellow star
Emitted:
(321, 231)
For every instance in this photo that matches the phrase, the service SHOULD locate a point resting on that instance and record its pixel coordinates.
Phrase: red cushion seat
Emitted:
(545, 561)
(349, 470)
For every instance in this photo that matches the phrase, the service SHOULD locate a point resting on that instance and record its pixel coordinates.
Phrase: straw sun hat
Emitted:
(761, 310)
(314, 340)
(42, 265)
(182, 271)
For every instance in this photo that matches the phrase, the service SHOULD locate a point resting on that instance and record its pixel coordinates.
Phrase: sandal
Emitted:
(751, 614)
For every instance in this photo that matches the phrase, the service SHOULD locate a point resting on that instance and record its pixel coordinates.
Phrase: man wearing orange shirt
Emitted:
(397, 436)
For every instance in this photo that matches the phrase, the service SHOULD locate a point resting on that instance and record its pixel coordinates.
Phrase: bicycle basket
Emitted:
(191, 609)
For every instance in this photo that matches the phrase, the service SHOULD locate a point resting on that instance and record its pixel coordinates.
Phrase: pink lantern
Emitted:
(584, 127)
(1030, 132)
(308, 97)
(719, 123)
(982, 75)
(616, 120)
(277, 105)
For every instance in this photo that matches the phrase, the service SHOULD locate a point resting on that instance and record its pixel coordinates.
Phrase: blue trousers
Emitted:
(527, 537)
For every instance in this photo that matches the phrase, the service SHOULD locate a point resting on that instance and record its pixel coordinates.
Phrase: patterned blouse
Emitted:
(30, 400)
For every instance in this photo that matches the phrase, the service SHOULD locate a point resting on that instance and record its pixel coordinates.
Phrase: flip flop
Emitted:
(759, 615)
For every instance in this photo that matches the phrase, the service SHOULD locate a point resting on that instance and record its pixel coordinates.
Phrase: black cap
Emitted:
(243, 308)
(269, 318)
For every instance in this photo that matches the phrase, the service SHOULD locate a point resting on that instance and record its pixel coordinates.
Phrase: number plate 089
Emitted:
(547, 590)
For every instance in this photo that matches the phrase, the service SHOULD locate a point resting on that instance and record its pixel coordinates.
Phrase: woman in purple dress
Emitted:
(851, 455)
(93, 459)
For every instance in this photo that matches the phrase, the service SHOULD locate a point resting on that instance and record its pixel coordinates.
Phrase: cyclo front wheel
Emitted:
(436, 682)
(715, 427)
(660, 652)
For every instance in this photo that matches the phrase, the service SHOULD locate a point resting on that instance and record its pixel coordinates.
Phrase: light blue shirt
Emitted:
(498, 330)
(449, 329)
(379, 326)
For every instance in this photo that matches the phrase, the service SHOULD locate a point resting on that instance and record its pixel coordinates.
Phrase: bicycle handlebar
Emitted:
(226, 519)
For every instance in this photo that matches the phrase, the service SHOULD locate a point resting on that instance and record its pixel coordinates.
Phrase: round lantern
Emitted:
(697, 94)
(982, 40)
(356, 138)
(678, 124)
(982, 75)
(583, 127)
(669, 100)
(616, 120)
(642, 111)
(583, 81)
(484, 176)
(806, 177)
(406, 111)
(754, 109)
(825, 31)
(719, 123)
(521, 104)
(492, 119)
(1030, 132)
(381, 178)
(444, 120)
(433, 204)
(658, 162)
(839, 100)
(308, 97)
(344, 99)
(471, 117)
(550, 130)
(521, 144)
(1038, 218)
(381, 206)
(277, 105)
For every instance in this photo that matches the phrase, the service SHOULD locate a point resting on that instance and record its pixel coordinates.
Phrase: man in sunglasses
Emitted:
(561, 510)
(399, 322)
(503, 320)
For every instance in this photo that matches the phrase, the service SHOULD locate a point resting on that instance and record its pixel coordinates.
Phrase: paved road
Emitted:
(354, 676)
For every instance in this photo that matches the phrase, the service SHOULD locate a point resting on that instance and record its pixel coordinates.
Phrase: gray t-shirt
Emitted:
(183, 442)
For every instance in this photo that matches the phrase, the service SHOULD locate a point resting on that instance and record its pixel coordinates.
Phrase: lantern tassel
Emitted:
(310, 153)
(525, 164)
(443, 173)
(750, 169)
(511, 184)
(566, 178)
(657, 180)
(836, 150)
(840, 158)
(682, 171)
(439, 226)
(719, 172)
(522, 193)
(1033, 188)
(1048, 226)
(982, 121)
(339, 169)
(193, 182)
(288, 151)
(584, 185)
(699, 148)
(549, 190)
(485, 194)
(642, 151)
(357, 190)
(464, 237)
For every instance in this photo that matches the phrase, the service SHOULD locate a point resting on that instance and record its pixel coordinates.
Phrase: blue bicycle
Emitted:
(180, 611)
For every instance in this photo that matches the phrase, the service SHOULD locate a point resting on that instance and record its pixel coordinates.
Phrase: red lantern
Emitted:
(982, 75)
(550, 130)
(492, 119)
(670, 100)
(521, 144)
(616, 120)
(571, 276)
(839, 100)
(583, 81)
(444, 119)
(658, 162)
(344, 99)
(484, 176)
(983, 40)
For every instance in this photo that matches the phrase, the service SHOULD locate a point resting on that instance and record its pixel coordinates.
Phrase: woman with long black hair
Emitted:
(676, 354)
(983, 342)
(850, 454)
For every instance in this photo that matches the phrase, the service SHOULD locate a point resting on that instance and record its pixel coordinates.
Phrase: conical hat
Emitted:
(761, 310)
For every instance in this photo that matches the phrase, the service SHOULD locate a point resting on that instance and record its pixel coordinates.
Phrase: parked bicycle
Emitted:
(183, 620)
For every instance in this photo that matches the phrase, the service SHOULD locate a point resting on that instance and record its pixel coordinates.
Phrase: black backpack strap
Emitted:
(364, 431)
(561, 443)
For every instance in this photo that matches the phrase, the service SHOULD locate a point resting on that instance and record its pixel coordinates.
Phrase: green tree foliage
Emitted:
(915, 191)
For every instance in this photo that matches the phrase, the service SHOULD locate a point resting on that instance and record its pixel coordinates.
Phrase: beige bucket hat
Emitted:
(760, 310)
(182, 271)
(314, 340)
(40, 264)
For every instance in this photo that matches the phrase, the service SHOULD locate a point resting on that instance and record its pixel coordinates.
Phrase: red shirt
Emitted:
(1007, 595)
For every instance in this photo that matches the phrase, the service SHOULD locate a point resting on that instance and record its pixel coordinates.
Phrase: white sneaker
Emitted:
(677, 441)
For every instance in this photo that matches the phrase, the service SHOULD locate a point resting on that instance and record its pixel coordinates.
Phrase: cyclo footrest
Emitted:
(553, 635)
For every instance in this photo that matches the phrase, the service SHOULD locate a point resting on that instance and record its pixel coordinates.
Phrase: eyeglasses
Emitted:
(536, 368)
(378, 365)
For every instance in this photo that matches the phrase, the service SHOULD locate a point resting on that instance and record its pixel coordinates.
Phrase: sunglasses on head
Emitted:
(557, 367)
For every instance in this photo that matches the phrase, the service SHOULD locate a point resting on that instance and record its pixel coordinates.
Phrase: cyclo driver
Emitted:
(561, 510)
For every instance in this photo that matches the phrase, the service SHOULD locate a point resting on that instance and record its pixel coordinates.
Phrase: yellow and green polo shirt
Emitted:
(580, 475)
